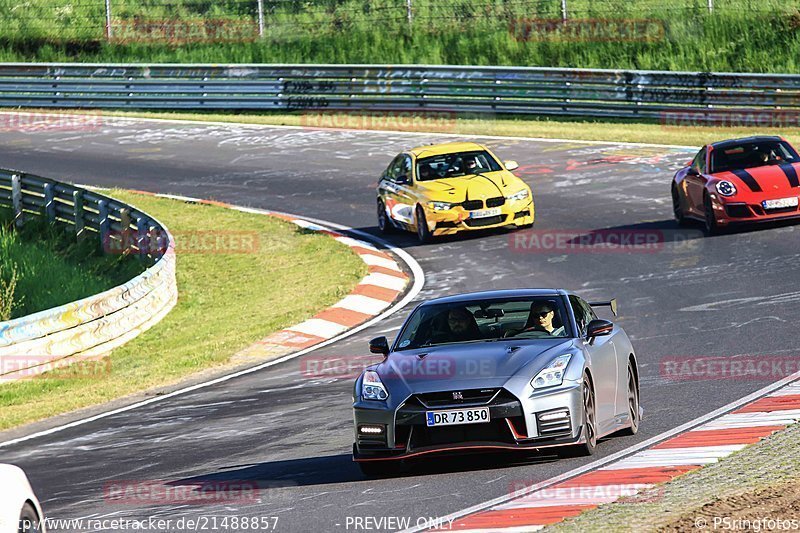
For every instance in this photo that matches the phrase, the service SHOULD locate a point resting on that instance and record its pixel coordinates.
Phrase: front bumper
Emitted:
(544, 419)
(728, 212)
(451, 221)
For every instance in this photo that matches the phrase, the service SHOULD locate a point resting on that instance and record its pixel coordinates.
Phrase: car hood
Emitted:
(776, 179)
(466, 366)
(476, 187)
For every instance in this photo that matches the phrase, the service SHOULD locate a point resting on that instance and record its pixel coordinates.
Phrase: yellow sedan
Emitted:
(443, 189)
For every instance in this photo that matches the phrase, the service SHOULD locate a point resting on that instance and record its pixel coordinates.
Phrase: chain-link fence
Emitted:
(238, 20)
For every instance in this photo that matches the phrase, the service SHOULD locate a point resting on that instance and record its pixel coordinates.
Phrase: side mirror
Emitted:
(379, 345)
(401, 179)
(511, 165)
(598, 328)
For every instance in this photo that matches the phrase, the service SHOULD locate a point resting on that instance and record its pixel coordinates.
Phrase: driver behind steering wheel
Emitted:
(541, 319)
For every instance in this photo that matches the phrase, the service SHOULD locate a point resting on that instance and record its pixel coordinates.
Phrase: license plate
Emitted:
(484, 213)
(458, 416)
(779, 203)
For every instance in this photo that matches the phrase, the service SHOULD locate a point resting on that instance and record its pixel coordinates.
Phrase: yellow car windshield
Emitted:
(456, 165)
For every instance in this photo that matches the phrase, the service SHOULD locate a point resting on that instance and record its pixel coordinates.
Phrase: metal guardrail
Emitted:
(95, 325)
(697, 96)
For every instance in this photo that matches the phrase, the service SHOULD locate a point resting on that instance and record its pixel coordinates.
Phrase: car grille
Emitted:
(737, 211)
(554, 423)
(522, 214)
(495, 202)
(493, 431)
(472, 205)
(468, 397)
(488, 221)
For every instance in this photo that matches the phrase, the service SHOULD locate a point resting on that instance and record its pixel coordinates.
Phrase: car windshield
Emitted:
(455, 165)
(752, 154)
(485, 320)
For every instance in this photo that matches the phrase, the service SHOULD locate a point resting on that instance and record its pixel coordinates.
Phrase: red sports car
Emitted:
(748, 180)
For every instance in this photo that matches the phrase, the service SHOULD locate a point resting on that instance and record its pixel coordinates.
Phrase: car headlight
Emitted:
(521, 195)
(441, 206)
(553, 374)
(372, 388)
(726, 188)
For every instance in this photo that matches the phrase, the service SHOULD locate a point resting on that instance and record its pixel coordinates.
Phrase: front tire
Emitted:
(633, 402)
(424, 234)
(589, 420)
(384, 224)
(677, 209)
(712, 228)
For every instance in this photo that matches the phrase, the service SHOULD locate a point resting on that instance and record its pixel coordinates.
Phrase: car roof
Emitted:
(488, 295)
(755, 138)
(429, 150)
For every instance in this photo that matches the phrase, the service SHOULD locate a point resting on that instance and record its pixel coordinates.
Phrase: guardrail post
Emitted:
(141, 237)
(77, 212)
(564, 10)
(125, 230)
(49, 203)
(102, 209)
(710, 6)
(16, 199)
(409, 11)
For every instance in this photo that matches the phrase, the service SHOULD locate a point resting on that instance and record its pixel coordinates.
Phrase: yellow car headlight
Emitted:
(521, 195)
(441, 206)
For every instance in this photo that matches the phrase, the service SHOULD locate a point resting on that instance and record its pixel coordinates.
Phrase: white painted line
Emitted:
(309, 225)
(699, 455)
(416, 287)
(620, 454)
(319, 328)
(792, 390)
(384, 280)
(352, 242)
(375, 260)
(362, 304)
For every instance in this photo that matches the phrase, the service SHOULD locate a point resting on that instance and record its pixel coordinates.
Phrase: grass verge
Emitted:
(761, 468)
(549, 128)
(226, 302)
(42, 267)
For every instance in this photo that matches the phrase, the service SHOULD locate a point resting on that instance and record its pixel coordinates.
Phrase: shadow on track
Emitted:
(334, 469)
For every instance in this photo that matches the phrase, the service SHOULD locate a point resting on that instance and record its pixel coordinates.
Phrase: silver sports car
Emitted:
(499, 370)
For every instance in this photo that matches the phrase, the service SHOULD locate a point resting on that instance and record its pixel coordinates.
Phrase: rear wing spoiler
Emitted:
(612, 303)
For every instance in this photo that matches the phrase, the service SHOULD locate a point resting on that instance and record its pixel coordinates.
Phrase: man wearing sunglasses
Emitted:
(541, 319)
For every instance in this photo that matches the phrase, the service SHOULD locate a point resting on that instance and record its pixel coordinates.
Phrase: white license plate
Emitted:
(484, 213)
(457, 416)
(779, 203)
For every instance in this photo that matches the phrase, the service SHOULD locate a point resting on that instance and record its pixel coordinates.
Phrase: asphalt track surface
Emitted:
(732, 296)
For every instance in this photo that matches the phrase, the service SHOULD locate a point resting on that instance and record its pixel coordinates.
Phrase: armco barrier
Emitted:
(99, 323)
(673, 97)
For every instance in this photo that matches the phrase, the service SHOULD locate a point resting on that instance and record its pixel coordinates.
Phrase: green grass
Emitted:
(740, 35)
(47, 268)
(226, 302)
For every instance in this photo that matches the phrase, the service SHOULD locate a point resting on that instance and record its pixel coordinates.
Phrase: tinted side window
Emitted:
(588, 311)
(699, 162)
(581, 318)
(404, 168)
(392, 171)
